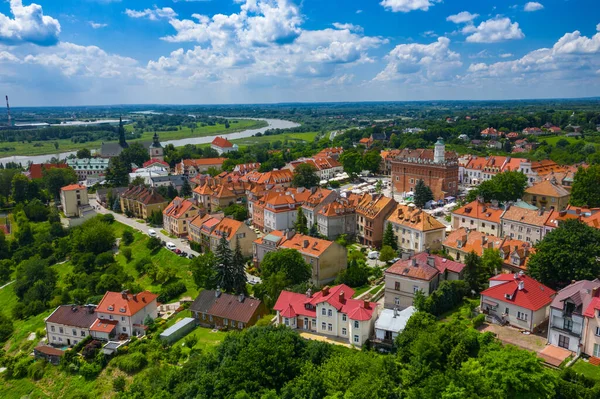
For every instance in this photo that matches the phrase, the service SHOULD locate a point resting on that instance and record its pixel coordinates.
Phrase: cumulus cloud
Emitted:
(97, 25)
(407, 5)
(28, 25)
(533, 6)
(494, 30)
(350, 27)
(506, 55)
(421, 62)
(462, 17)
(153, 14)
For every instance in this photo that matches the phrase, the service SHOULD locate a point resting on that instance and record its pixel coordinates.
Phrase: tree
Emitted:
(204, 271)
(84, 153)
(387, 253)
(35, 281)
(355, 275)
(117, 172)
(117, 205)
(156, 218)
(134, 154)
(423, 194)
(301, 223)
(472, 269)
(127, 253)
(371, 161)
(237, 211)
(20, 184)
(127, 237)
(288, 261)
(186, 189)
(491, 263)
(569, 252)
(389, 238)
(6, 266)
(6, 328)
(138, 181)
(586, 187)
(378, 187)
(94, 236)
(351, 160)
(502, 187)
(224, 268)
(305, 175)
(314, 231)
(238, 270)
(171, 192)
(54, 179)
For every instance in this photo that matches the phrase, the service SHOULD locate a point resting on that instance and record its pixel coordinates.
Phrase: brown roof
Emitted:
(547, 188)
(306, 244)
(341, 206)
(415, 218)
(372, 205)
(48, 350)
(73, 315)
(481, 211)
(227, 306)
(228, 226)
(527, 216)
(413, 268)
(146, 196)
(178, 207)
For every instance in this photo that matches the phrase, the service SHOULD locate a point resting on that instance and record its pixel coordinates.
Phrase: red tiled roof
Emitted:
(533, 296)
(104, 325)
(72, 187)
(178, 207)
(155, 161)
(48, 350)
(222, 142)
(130, 303)
(481, 211)
(307, 244)
(592, 307)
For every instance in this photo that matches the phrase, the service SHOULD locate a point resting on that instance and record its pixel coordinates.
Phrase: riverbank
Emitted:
(10, 149)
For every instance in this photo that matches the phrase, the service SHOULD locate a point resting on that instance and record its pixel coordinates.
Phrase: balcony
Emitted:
(566, 331)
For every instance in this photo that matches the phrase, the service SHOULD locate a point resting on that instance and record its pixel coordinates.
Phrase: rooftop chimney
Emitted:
(309, 293)
(395, 312)
(342, 297)
(431, 261)
(305, 244)
(413, 262)
(242, 297)
(521, 285)
(325, 290)
(366, 304)
(124, 293)
(135, 297)
(218, 292)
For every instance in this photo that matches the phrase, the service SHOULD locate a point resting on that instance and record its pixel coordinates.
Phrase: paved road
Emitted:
(181, 244)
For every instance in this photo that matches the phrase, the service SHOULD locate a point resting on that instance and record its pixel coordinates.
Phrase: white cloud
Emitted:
(29, 25)
(407, 5)
(350, 27)
(359, 11)
(506, 55)
(429, 33)
(153, 14)
(97, 25)
(417, 63)
(495, 30)
(533, 6)
(462, 17)
(5, 56)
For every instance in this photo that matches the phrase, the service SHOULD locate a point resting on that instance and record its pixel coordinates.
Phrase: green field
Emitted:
(589, 370)
(552, 140)
(47, 147)
(306, 137)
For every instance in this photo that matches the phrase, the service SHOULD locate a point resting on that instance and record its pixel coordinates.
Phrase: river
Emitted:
(273, 124)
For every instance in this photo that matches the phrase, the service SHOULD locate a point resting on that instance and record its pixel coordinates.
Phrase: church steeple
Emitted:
(122, 141)
(156, 149)
(156, 141)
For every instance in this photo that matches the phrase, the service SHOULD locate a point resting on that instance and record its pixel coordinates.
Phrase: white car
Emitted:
(152, 233)
(373, 255)
(171, 246)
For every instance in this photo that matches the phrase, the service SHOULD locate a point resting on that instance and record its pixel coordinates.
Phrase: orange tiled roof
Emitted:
(178, 207)
(481, 211)
(124, 303)
(222, 142)
(341, 206)
(547, 188)
(317, 197)
(528, 216)
(307, 244)
(414, 218)
(72, 187)
(371, 205)
(227, 226)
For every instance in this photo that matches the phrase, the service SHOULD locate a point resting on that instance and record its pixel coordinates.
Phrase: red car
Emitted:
(177, 251)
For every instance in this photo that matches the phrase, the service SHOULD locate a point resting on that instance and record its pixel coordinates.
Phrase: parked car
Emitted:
(373, 255)
(183, 254)
(394, 260)
(177, 251)
(163, 243)
(171, 246)
(191, 256)
(152, 233)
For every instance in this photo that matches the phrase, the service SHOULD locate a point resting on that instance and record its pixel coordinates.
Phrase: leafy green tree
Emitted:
(135, 154)
(153, 243)
(491, 263)
(423, 194)
(288, 261)
(569, 252)
(305, 175)
(6, 266)
(238, 269)
(35, 281)
(20, 185)
(6, 328)
(186, 189)
(472, 271)
(387, 253)
(371, 161)
(171, 192)
(236, 211)
(138, 181)
(156, 218)
(84, 153)
(127, 237)
(301, 222)
(586, 187)
(503, 187)
(389, 237)
(351, 160)
(314, 231)
(224, 266)
(54, 179)
(95, 236)
(117, 172)
(355, 275)
(127, 253)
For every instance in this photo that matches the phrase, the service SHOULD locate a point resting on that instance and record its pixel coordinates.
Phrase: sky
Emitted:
(99, 52)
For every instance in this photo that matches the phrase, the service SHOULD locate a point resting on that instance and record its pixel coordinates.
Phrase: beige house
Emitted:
(371, 214)
(423, 273)
(547, 194)
(479, 216)
(518, 300)
(416, 230)
(69, 324)
(234, 231)
(72, 198)
(525, 224)
(177, 214)
(592, 331)
(141, 201)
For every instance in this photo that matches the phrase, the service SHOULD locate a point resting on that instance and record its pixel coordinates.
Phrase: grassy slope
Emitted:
(308, 136)
(589, 370)
(47, 147)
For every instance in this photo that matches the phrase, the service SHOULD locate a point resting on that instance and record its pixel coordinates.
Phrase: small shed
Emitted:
(391, 322)
(52, 355)
(178, 330)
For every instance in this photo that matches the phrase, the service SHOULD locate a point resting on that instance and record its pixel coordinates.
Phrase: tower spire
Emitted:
(122, 140)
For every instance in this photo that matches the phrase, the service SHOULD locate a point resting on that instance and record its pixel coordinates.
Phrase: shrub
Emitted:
(36, 370)
(131, 363)
(119, 384)
(478, 320)
(127, 238)
(91, 349)
(142, 265)
(108, 218)
(153, 243)
(21, 367)
(171, 291)
(90, 370)
(127, 253)
(191, 341)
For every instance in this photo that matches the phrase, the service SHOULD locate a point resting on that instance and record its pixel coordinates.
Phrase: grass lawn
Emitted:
(307, 136)
(460, 312)
(554, 139)
(589, 370)
(361, 290)
(47, 147)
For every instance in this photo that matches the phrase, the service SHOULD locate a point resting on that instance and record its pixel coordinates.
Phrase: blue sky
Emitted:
(88, 52)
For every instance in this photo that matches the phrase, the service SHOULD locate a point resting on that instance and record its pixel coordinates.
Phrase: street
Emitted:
(180, 244)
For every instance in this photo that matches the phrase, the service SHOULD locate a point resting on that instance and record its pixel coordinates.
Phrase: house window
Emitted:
(344, 318)
(122, 318)
(82, 333)
(323, 326)
(563, 341)
(598, 331)
(324, 312)
(329, 313)
(596, 350)
(74, 332)
(397, 301)
(52, 328)
(233, 323)
(522, 316)
(60, 330)
(225, 322)
(356, 325)
(75, 342)
(286, 321)
(506, 311)
(53, 338)
(356, 339)
(415, 289)
(124, 329)
(329, 327)
(59, 339)
(568, 324)
(210, 318)
(110, 316)
(344, 331)
(203, 316)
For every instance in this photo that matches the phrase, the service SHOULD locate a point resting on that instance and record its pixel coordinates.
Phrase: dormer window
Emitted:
(111, 307)
(122, 310)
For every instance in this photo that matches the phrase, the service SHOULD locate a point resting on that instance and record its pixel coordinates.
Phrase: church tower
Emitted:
(122, 141)
(439, 153)
(156, 149)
